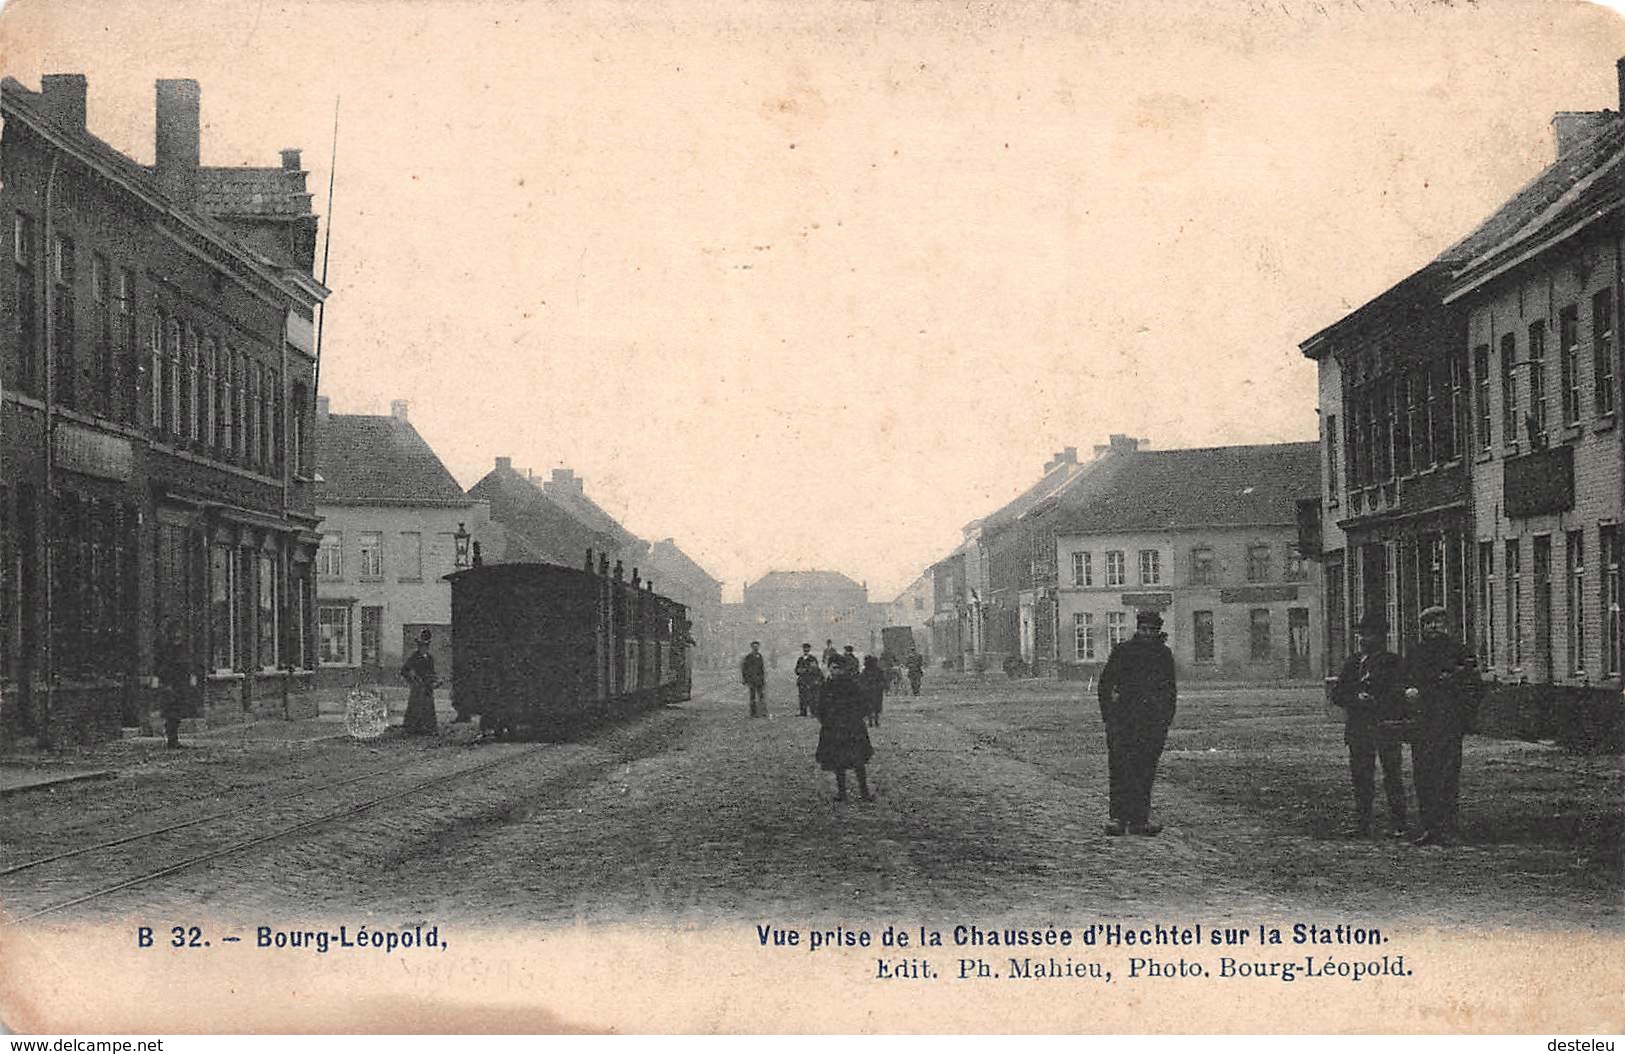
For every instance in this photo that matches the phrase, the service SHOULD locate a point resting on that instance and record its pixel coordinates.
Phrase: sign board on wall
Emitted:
(92, 453)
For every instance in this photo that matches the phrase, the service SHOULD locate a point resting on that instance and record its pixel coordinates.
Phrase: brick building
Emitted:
(957, 586)
(394, 523)
(158, 379)
(1208, 537)
(676, 575)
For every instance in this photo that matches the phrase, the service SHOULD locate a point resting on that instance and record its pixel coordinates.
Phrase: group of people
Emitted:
(1428, 699)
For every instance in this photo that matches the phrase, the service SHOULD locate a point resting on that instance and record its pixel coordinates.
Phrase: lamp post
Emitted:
(461, 560)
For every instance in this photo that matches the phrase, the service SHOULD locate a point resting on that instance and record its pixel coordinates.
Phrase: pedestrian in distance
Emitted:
(830, 655)
(873, 679)
(418, 672)
(916, 672)
(1369, 692)
(850, 659)
(809, 680)
(843, 741)
(1441, 693)
(176, 681)
(1137, 698)
(754, 673)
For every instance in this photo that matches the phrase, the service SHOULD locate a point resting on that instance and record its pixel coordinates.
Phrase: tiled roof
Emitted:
(805, 580)
(1584, 183)
(1053, 480)
(362, 458)
(539, 528)
(253, 192)
(1228, 486)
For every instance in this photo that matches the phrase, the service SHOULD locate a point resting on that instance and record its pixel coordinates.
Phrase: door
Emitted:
(1543, 606)
(1297, 635)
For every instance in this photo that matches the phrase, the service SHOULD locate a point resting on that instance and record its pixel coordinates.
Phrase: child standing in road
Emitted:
(843, 742)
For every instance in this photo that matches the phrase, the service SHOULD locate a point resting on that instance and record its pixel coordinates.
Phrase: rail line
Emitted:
(248, 843)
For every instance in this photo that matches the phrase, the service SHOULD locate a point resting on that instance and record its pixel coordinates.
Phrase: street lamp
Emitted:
(461, 539)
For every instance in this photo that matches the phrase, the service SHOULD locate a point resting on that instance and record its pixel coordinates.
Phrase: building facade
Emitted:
(1208, 538)
(958, 582)
(676, 575)
(394, 524)
(784, 609)
(158, 381)
(915, 607)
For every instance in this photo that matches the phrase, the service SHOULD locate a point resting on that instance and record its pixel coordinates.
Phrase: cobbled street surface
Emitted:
(991, 797)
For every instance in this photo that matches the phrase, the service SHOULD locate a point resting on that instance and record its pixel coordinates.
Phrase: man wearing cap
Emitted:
(809, 680)
(1137, 696)
(754, 673)
(1373, 703)
(1441, 694)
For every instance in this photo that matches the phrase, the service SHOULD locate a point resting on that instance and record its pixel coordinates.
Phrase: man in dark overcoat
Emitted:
(1137, 697)
(809, 680)
(1441, 692)
(176, 681)
(1373, 703)
(754, 673)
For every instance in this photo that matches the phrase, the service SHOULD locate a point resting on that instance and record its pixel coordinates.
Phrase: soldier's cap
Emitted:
(1148, 618)
(806, 645)
(1430, 613)
(1372, 624)
(755, 643)
(425, 637)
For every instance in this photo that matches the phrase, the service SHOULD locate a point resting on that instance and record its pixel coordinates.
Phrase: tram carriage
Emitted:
(544, 651)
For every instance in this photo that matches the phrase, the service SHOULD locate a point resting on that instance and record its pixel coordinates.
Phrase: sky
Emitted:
(813, 286)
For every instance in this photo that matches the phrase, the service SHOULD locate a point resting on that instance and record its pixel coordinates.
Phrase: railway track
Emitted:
(148, 856)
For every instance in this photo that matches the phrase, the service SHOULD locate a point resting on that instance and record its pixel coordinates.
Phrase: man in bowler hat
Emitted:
(1137, 697)
(1373, 703)
(1441, 693)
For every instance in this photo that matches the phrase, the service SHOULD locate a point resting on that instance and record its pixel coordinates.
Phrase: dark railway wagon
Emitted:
(544, 651)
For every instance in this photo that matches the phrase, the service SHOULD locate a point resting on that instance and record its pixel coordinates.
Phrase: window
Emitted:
(1576, 604)
(1481, 394)
(226, 364)
(372, 634)
(1568, 357)
(1258, 563)
(1512, 568)
(370, 546)
(412, 558)
(26, 322)
(191, 407)
(1150, 567)
(239, 374)
(210, 350)
(1258, 620)
(1116, 627)
(269, 576)
(1202, 636)
(1602, 350)
(301, 621)
(333, 634)
(1421, 419)
(1611, 639)
(1297, 570)
(155, 370)
(1083, 634)
(1331, 458)
(1405, 411)
(1509, 389)
(1537, 379)
(1083, 569)
(63, 329)
(222, 608)
(1455, 437)
(1486, 601)
(1204, 572)
(330, 556)
(101, 297)
(249, 395)
(129, 391)
(297, 439)
(172, 377)
(1116, 572)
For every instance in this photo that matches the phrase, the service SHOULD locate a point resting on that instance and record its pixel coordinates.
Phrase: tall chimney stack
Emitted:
(397, 409)
(65, 98)
(1619, 71)
(177, 149)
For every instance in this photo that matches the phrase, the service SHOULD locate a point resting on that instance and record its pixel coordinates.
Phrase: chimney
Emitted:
(290, 159)
(397, 409)
(324, 407)
(1619, 71)
(1571, 128)
(64, 97)
(176, 154)
(567, 479)
(1125, 444)
(504, 464)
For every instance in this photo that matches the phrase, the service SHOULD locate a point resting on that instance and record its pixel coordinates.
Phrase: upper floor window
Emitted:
(330, 557)
(1568, 352)
(1509, 389)
(1602, 350)
(1537, 378)
(1481, 395)
(370, 551)
(1150, 567)
(62, 264)
(1116, 628)
(1331, 457)
(1116, 570)
(1258, 563)
(1204, 569)
(22, 239)
(1083, 569)
(1297, 570)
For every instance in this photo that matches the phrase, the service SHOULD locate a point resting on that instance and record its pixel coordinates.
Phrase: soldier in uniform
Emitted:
(418, 672)
(1137, 697)
(1369, 692)
(809, 678)
(1441, 693)
(754, 673)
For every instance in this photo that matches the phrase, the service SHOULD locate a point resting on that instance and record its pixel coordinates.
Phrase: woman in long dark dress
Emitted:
(843, 742)
(874, 688)
(418, 672)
